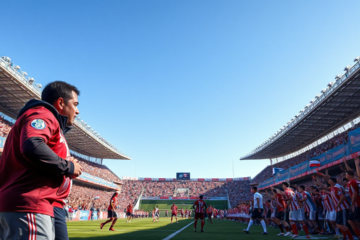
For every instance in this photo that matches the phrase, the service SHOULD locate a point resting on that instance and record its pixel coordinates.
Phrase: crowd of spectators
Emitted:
(5, 127)
(97, 170)
(237, 190)
(316, 151)
(83, 198)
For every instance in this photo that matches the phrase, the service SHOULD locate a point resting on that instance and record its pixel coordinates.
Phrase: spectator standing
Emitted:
(36, 158)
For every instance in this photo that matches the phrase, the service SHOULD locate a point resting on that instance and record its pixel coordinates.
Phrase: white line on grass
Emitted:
(173, 235)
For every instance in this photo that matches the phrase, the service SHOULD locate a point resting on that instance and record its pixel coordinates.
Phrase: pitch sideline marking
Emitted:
(178, 231)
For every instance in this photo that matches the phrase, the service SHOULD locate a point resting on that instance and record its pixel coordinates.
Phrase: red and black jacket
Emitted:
(34, 172)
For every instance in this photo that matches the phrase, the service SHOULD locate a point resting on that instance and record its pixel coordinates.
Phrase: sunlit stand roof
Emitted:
(337, 105)
(16, 88)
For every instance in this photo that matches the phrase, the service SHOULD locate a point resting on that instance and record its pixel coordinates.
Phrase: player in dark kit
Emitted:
(111, 212)
(199, 206)
(36, 167)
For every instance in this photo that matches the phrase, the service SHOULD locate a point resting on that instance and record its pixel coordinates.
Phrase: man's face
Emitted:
(300, 189)
(70, 109)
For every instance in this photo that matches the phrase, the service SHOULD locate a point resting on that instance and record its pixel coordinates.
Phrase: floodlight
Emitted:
(24, 73)
(17, 67)
(347, 68)
(337, 77)
(330, 84)
(324, 90)
(7, 59)
(357, 59)
(31, 81)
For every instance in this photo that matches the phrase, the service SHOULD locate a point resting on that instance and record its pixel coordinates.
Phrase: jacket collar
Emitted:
(37, 103)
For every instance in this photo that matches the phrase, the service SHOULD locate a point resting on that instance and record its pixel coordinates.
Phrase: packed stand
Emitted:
(97, 170)
(5, 127)
(337, 140)
(237, 190)
(83, 198)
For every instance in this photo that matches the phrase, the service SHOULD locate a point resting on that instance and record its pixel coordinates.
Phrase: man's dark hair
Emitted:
(201, 196)
(255, 188)
(269, 200)
(345, 180)
(286, 184)
(351, 173)
(333, 179)
(55, 90)
(302, 187)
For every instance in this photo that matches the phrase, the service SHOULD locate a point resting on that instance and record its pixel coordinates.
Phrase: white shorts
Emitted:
(296, 215)
(331, 215)
(273, 214)
(312, 215)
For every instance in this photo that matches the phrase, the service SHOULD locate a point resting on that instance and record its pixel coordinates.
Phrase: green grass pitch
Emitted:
(149, 205)
(144, 229)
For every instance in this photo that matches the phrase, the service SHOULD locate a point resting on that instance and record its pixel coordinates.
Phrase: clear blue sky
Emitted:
(184, 85)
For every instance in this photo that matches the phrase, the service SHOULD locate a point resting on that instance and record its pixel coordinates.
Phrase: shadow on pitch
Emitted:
(128, 231)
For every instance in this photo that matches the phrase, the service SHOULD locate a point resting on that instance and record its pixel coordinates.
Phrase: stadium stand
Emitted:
(320, 149)
(83, 196)
(97, 170)
(5, 127)
(238, 190)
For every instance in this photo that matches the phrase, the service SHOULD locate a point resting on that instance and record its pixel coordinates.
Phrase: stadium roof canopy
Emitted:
(16, 89)
(337, 104)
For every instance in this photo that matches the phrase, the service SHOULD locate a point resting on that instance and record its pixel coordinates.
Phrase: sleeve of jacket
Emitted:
(37, 129)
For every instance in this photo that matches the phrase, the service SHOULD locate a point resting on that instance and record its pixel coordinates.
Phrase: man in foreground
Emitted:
(199, 206)
(36, 167)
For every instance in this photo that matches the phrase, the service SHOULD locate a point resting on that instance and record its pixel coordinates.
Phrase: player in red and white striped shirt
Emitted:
(354, 189)
(296, 214)
(330, 210)
(280, 216)
(341, 207)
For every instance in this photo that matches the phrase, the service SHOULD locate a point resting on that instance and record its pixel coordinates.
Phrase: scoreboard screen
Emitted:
(182, 176)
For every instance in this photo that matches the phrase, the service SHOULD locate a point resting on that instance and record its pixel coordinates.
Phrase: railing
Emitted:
(20, 75)
(8, 65)
(314, 104)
